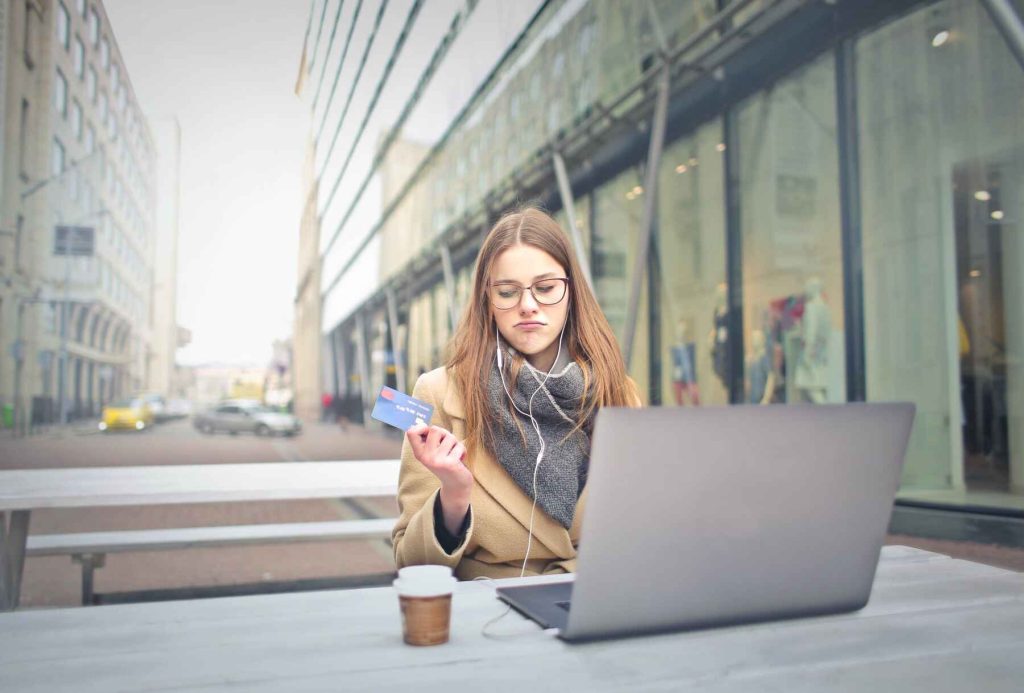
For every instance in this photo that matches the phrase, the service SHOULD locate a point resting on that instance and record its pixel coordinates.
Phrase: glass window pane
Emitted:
(940, 100)
(94, 27)
(690, 261)
(90, 83)
(60, 94)
(63, 25)
(617, 219)
(57, 159)
(76, 119)
(581, 212)
(791, 247)
(78, 56)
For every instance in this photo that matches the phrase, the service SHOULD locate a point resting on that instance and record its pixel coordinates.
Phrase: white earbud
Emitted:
(497, 349)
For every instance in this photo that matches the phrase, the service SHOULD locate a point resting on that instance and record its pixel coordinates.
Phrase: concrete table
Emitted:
(22, 491)
(933, 624)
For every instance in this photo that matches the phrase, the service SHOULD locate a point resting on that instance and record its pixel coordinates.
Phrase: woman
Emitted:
(495, 486)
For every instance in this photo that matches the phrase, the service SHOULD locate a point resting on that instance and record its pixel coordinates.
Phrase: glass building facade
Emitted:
(838, 212)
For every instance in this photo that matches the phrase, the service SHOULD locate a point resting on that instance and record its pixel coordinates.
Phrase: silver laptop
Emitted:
(701, 517)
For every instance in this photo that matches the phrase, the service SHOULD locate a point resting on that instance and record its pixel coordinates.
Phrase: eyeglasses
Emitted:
(547, 292)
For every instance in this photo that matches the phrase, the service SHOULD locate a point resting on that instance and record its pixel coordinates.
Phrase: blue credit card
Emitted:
(400, 410)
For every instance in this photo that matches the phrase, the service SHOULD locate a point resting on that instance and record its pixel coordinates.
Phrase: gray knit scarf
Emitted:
(557, 408)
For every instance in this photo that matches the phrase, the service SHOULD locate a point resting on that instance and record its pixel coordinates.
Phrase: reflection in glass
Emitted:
(689, 262)
(792, 269)
(618, 216)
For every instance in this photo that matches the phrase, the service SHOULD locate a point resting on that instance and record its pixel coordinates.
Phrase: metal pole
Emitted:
(449, 286)
(569, 204)
(19, 361)
(650, 190)
(363, 363)
(396, 350)
(12, 557)
(63, 366)
(850, 220)
(1006, 19)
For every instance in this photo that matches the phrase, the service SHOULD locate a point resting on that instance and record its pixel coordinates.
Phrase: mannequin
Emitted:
(812, 365)
(684, 372)
(718, 338)
(759, 372)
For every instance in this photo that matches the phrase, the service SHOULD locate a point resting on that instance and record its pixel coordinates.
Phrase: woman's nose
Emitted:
(527, 303)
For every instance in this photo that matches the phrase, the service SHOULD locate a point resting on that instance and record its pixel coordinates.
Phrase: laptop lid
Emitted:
(714, 516)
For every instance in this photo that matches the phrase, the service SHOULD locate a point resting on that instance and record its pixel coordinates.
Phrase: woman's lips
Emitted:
(529, 326)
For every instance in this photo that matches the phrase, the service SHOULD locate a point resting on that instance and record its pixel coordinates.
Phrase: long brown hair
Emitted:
(588, 336)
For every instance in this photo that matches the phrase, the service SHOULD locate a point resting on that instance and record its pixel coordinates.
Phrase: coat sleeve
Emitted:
(414, 536)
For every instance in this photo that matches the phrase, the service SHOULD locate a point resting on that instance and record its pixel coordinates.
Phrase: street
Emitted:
(56, 581)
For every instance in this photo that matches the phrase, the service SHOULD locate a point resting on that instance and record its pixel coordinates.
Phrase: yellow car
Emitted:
(132, 414)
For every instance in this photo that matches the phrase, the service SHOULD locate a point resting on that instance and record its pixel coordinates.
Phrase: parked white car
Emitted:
(237, 416)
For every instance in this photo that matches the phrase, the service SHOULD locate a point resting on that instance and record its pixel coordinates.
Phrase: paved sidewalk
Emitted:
(84, 427)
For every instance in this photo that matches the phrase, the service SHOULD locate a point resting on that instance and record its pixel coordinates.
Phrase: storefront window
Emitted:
(440, 325)
(419, 338)
(940, 100)
(791, 245)
(382, 366)
(616, 227)
(581, 210)
(689, 260)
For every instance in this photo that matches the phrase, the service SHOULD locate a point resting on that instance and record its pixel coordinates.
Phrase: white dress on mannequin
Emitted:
(812, 366)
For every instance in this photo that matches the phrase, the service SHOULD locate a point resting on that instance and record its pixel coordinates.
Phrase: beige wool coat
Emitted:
(495, 541)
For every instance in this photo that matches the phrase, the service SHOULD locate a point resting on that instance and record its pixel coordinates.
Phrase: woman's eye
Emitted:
(507, 293)
(544, 288)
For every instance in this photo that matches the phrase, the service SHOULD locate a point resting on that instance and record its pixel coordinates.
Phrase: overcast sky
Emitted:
(227, 71)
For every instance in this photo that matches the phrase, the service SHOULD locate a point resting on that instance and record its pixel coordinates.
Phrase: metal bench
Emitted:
(90, 548)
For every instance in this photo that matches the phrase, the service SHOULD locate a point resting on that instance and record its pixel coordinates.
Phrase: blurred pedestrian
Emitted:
(326, 406)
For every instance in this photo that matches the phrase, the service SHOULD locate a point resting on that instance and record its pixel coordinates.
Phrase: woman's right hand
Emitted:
(442, 453)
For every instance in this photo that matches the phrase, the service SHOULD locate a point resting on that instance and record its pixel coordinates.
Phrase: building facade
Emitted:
(78, 153)
(823, 200)
(167, 336)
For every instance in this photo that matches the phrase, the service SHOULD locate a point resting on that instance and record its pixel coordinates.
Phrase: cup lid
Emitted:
(425, 588)
(420, 572)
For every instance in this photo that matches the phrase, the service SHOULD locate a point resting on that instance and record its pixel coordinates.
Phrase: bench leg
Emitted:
(90, 562)
(13, 537)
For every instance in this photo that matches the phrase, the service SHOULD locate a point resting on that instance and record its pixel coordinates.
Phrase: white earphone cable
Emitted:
(536, 428)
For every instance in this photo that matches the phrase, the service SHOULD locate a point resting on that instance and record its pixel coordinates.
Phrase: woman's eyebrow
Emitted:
(513, 281)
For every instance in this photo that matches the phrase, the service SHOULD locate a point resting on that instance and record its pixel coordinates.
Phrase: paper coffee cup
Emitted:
(425, 599)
